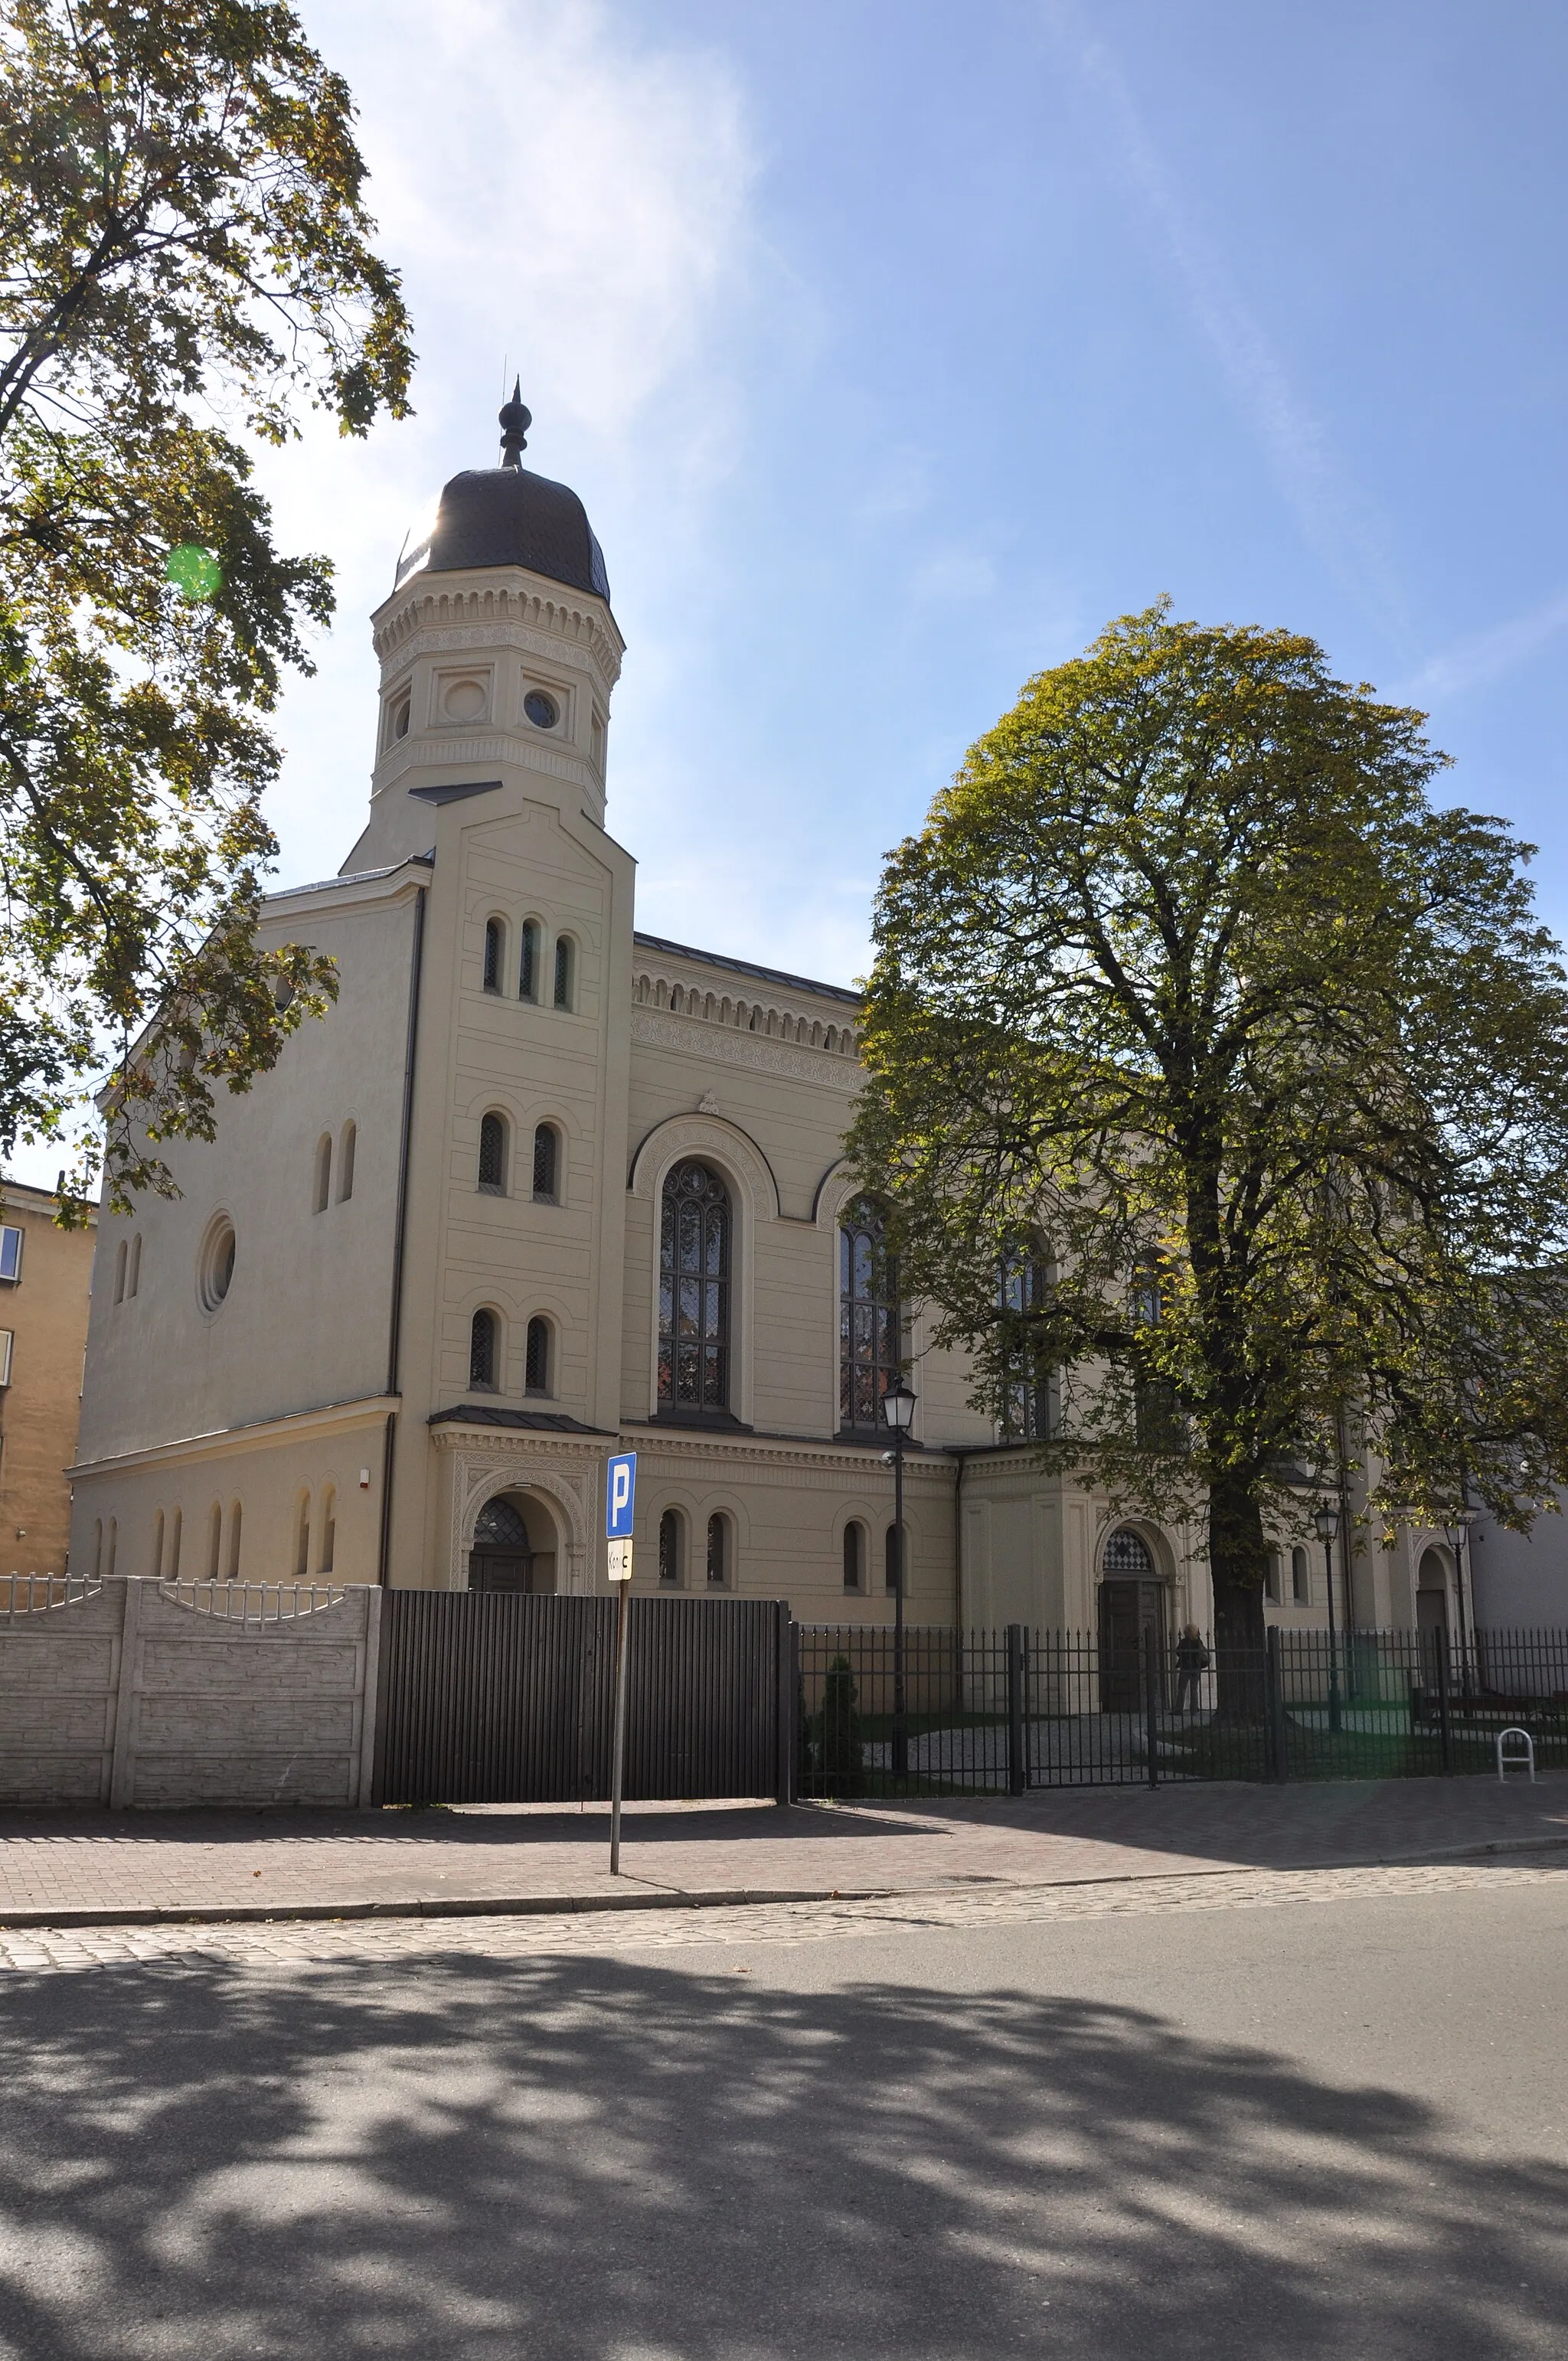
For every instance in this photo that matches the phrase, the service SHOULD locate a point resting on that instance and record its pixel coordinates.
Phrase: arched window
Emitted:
(528, 961)
(1126, 1551)
(324, 1172)
(345, 1147)
(215, 1542)
(671, 1551)
(502, 1555)
(537, 1356)
(546, 1160)
(1273, 1578)
(158, 1546)
(482, 1351)
(176, 1531)
(302, 1538)
(1301, 1577)
(328, 1548)
(693, 1292)
(109, 1557)
(97, 1548)
(854, 1556)
(493, 1154)
(718, 1551)
(1021, 1293)
(234, 1524)
(120, 1272)
(563, 977)
(133, 1275)
(890, 1560)
(869, 1344)
(495, 949)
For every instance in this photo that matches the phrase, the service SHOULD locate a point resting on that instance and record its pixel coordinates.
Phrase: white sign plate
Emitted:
(620, 1561)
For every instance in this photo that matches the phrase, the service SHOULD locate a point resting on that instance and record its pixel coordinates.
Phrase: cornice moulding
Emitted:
(697, 1037)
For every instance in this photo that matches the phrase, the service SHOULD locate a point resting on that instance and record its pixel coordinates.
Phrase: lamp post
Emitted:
(898, 1409)
(1458, 1530)
(1326, 1520)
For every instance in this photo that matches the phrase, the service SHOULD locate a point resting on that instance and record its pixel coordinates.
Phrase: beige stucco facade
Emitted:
(43, 1335)
(318, 1413)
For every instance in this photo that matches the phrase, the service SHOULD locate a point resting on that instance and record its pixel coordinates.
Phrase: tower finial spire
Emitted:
(516, 419)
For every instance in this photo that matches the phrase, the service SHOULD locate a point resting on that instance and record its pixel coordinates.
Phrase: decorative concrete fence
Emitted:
(153, 1693)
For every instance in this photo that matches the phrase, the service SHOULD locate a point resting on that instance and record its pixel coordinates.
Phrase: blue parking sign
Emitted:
(620, 1487)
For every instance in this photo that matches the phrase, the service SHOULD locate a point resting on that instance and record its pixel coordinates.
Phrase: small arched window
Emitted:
(718, 1551)
(482, 1351)
(1126, 1551)
(495, 953)
(97, 1548)
(546, 1159)
(175, 1533)
(235, 1521)
(120, 1271)
(324, 1172)
(113, 1546)
(854, 1556)
(868, 1328)
(133, 1273)
(563, 977)
(693, 1292)
(215, 1542)
(528, 961)
(537, 1356)
(328, 1547)
(345, 1147)
(1301, 1577)
(302, 1538)
(493, 1154)
(670, 1549)
(158, 1546)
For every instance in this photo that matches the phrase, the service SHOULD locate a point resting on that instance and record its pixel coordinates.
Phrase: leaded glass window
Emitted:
(482, 1350)
(537, 1356)
(1026, 1391)
(492, 955)
(544, 1162)
(564, 973)
(694, 1291)
(1126, 1551)
(493, 1154)
(528, 961)
(869, 1330)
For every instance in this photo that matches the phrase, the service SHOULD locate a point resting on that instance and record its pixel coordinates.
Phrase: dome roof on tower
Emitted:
(507, 516)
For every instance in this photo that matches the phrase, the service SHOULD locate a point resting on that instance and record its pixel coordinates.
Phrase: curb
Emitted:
(545, 1906)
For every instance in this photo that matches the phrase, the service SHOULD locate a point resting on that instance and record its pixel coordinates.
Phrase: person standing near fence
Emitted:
(1191, 1663)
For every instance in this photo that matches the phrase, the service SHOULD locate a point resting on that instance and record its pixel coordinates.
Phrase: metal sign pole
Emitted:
(620, 1496)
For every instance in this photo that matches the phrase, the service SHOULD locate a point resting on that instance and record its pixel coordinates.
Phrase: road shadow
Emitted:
(599, 2159)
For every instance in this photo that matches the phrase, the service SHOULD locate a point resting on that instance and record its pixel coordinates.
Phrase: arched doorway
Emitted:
(1431, 1608)
(514, 1546)
(1132, 1603)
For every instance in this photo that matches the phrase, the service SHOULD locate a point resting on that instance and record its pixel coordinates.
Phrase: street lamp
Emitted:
(1326, 1520)
(898, 1409)
(1457, 1530)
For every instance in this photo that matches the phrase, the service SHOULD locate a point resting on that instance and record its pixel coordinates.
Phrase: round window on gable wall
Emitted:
(216, 1271)
(542, 710)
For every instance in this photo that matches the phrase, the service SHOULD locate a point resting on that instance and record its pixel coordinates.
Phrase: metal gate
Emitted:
(499, 1697)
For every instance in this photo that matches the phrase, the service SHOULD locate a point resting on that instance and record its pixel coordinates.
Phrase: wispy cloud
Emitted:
(1487, 657)
(1334, 519)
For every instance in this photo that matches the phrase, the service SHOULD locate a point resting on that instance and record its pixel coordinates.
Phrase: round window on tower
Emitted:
(542, 710)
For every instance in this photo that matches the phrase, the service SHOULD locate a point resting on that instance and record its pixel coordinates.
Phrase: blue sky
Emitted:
(894, 347)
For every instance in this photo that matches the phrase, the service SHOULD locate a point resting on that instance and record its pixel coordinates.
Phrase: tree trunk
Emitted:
(1236, 1561)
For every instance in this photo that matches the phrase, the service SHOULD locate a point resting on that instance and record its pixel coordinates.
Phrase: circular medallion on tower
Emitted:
(542, 710)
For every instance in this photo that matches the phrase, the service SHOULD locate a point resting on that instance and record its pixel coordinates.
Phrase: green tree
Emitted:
(1188, 992)
(184, 258)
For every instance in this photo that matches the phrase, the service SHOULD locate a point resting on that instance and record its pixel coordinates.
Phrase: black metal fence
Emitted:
(495, 1697)
(1004, 1711)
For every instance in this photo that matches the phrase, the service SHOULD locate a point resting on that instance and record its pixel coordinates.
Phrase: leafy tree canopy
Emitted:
(1189, 997)
(184, 258)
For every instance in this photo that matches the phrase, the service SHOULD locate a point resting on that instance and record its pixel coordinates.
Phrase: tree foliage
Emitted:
(184, 260)
(1188, 989)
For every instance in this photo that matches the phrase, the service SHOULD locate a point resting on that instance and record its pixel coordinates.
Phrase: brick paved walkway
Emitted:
(65, 1869)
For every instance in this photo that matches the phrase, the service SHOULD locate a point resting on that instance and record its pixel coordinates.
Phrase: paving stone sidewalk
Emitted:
(91, 1867)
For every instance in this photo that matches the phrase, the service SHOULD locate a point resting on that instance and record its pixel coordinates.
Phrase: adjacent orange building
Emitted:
(45, 1282)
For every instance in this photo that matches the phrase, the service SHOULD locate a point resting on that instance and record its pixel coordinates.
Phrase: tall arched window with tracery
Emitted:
(695, 1251)
(870, 1335)
(1020, 1292)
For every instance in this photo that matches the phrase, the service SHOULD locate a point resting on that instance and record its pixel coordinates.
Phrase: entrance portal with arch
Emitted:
(1132, 1603)
(514, 1546)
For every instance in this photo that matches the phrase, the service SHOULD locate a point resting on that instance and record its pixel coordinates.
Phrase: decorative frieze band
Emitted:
(699, 1039)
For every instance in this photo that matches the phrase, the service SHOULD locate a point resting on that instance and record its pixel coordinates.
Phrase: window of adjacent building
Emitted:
(694, 1291)
(7, 1346)
(670, 1549)
(564, 972)
(1026, 1397)
(157, 1545)
(303, 1539)
(345, 1147)
(495, 953)
(869, 1334)
(236, 1521)
(1301, 1577)
(528, 961)
(97, 1548)
(328, 1532)
(324, 1172)
(854, 1556)
(111, 1549)
(718, 1551)
(537, 1356)
(493, 1154)
(546, 1158)
(176, 1532)
(482, 1350)
(216, 1542)
(10, 1252)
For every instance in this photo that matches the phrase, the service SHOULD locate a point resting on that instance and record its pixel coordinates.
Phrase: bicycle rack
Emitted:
(1527, 1757)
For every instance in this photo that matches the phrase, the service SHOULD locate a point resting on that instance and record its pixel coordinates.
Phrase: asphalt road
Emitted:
(1339, 2128)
